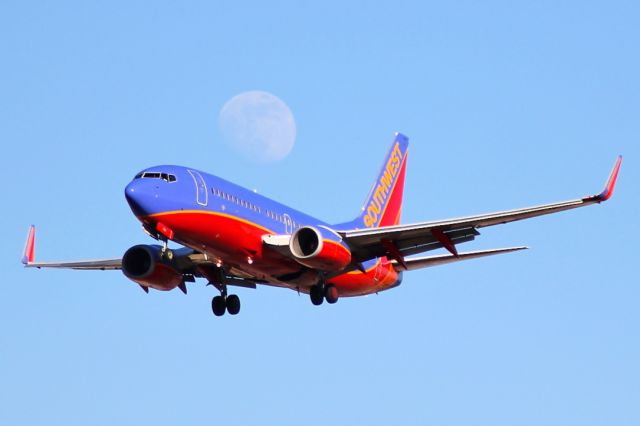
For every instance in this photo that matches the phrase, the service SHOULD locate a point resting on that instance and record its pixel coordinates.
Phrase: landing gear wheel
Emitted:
(331, 293)
(167, 255)
(316, 294)
(218, 306)
(233, 304)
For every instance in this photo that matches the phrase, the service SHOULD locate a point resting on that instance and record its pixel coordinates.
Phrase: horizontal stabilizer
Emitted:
(428, 261)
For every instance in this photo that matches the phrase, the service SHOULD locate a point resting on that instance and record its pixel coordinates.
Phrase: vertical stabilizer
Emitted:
(384, 203)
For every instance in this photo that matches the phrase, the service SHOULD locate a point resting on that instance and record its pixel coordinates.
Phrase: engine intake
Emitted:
(144, 265)
(319, 248)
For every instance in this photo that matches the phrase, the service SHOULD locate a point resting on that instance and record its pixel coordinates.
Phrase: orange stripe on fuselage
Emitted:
(236, 218)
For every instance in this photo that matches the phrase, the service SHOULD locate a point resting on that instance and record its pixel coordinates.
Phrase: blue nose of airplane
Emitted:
(141, 196)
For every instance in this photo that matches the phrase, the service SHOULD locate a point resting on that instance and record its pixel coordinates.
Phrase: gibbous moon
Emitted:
(258, 125)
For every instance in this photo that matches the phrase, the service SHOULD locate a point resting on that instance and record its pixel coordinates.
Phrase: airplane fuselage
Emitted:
(228, 223)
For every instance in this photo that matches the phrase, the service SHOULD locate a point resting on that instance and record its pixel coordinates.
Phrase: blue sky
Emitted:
(506, 105)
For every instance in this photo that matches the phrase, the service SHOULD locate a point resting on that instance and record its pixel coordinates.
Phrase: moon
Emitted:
(258, 125)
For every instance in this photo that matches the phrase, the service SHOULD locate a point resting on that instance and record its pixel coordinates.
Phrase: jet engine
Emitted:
(319, 248)
(145, 265)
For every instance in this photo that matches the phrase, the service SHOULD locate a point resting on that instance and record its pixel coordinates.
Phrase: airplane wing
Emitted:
(187, 261)
(98, 264)
(399, 241)
(28, 258)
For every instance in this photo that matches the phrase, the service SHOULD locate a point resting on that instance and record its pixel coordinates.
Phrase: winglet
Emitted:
(611, 183)
(29, 254)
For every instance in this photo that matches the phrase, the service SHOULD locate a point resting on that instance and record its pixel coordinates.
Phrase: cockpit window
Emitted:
(156, 175)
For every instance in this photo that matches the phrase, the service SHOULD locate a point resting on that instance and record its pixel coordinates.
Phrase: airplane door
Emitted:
(288, 224)
(202, 196)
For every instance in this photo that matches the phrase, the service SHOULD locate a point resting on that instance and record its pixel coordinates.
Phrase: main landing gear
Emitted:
(225, 302)
(319, 293)
(222, 303)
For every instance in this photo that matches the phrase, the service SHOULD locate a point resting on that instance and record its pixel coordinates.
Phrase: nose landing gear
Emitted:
(166, 253)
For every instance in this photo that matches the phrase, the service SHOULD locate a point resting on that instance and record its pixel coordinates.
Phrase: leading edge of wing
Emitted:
(489, 219)
(429, 261)
(28, 258)
(98, 264)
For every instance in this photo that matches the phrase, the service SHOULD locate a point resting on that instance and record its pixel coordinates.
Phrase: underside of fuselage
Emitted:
(237, 245)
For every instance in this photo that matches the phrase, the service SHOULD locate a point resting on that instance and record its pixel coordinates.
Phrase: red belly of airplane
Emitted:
(356, 283)
(239, 243)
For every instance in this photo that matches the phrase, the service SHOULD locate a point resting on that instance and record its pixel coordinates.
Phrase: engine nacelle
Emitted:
(319, 248)
(144, 265)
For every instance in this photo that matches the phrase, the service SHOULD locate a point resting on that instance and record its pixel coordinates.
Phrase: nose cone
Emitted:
(140, 197)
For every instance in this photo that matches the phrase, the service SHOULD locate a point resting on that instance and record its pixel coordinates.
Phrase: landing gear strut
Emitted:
(321, 292)
(166, 253)
(222, 303)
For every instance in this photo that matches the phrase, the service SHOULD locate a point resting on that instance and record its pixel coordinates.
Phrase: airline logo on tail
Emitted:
(388, 189)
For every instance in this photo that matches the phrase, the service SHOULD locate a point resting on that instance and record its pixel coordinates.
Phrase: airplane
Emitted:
(232, 236)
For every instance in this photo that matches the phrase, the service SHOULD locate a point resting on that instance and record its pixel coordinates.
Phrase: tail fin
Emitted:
(384, 203)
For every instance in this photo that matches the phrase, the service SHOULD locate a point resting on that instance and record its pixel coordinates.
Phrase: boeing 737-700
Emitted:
(231, 236)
